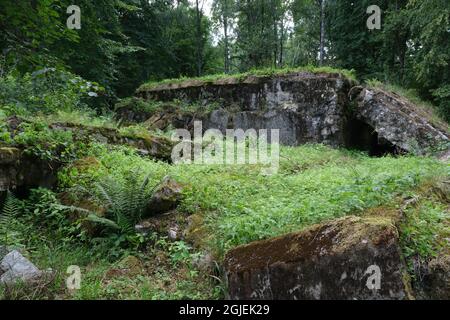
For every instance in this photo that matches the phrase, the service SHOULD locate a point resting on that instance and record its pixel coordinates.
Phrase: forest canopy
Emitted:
(124, 43)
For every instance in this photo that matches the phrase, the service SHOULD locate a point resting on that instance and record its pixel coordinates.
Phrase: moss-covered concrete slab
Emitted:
(347, 258)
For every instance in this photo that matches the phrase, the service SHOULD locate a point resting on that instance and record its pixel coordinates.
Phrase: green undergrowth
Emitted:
(141, 130)
(79, 117)
(140, 105)
(164, 272)
(230, 205)
(268, 72)
(151, 107)
(44, 232)
(314, 183)
(37, 136)
(425, 228)
(37, 139)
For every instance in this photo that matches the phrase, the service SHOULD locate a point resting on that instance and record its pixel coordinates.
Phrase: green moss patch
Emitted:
(240, 77)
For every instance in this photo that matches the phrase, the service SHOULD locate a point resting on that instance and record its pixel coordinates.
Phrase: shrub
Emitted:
(139, 105)
(124, 201)
(38, 139)
(47, 90)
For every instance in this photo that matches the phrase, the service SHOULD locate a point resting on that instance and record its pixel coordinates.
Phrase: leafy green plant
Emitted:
(424, 228)
(43, 211)
(9, 233)
(139, 105)
(45, 91)
(26, 223)
(39, 140)
(180, 252)
(5, 135)
(125, 202)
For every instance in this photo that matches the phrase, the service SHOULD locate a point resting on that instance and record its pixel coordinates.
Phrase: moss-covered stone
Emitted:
(197, 231)
(86, 164)
(166, 197)
(147, 144)
(89, 227)
(9, 155)
(129, 266)
(132, 264)
(437, 281)
(332, 260)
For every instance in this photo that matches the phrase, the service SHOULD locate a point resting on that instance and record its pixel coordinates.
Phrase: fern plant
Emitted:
(124, 201)
(9, 233)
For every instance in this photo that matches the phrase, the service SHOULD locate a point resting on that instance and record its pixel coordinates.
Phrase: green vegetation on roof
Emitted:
(266, 72)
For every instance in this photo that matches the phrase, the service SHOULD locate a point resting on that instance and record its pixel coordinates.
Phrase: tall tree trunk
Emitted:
(322, 32)
(199, 39)
(275, 34)
(262, 52)
(226, 43)
(227, 49)
(280, 61)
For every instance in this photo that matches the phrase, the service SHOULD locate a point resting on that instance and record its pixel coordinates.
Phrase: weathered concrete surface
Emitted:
(305, 107)
(333, 260)
(19, 169)
(165, 198)
(22, 169)
(400, 122)
(435, 280)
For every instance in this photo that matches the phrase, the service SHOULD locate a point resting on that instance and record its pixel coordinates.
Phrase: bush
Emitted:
(24, 222)
(45, 91)
(442, 95)
(125, 202)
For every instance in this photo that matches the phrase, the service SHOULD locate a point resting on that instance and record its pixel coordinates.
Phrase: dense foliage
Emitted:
(55, 77)
(230, 205)
(123, 43)
(315, 183)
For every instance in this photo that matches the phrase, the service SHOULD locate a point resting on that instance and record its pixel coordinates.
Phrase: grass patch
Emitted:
(268, 72)
(242, 206)
(85, 118)
(233, 205)
(139, 105)
(425, 229)
(315, 183)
